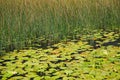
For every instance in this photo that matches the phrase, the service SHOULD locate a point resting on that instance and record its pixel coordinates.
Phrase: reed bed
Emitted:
(22, 21)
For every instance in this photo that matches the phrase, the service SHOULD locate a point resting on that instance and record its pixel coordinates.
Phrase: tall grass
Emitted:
(24, 20)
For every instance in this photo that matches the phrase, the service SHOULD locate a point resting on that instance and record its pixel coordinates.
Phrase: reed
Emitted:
(22, 21)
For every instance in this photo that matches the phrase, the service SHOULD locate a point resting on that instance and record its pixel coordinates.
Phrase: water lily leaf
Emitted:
(51, 78)
(68, 72)
(17, 78)
(31, 74)
(20, 71)
(38, 78)
(8, 74)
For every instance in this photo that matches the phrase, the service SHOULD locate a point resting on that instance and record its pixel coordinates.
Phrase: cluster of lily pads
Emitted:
(92, 57)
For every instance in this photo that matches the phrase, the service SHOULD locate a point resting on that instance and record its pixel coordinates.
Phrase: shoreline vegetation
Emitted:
(85, 59)
(49, 21)
(59, 39)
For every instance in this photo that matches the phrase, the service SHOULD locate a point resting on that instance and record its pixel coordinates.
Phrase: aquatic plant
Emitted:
(22, 21)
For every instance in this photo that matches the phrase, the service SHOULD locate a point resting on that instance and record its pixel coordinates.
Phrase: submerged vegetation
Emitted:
(48, 21)
(72, 60)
